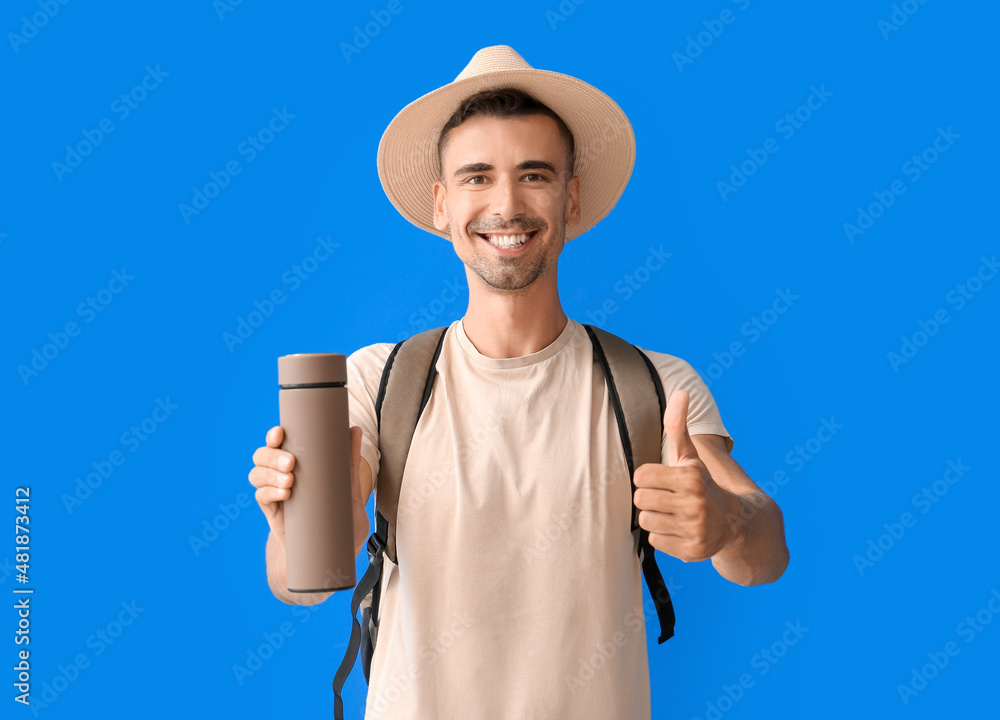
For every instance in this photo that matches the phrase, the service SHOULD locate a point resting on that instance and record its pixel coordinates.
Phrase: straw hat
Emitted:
(602, 134)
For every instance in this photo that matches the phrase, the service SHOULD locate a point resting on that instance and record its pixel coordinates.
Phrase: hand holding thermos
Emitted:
(309, 481)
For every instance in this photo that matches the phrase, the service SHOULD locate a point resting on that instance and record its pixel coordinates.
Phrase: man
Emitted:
(517, 565)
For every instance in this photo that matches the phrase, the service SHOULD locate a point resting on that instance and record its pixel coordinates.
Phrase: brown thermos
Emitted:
(319, 521)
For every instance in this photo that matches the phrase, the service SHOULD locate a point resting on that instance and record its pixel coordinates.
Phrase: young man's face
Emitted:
(506, 177)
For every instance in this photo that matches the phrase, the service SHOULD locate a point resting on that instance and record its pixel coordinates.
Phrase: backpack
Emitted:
(636, 395)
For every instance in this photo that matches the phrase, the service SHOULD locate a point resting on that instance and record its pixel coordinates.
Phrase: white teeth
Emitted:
(507, 241)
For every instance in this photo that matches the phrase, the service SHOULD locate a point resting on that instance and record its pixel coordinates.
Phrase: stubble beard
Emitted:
(511, 274)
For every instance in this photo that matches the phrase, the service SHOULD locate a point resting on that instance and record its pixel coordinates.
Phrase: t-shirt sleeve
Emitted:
(703, 414)
(364, 373)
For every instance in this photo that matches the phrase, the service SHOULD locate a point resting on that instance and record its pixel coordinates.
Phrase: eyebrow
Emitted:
(526, 165)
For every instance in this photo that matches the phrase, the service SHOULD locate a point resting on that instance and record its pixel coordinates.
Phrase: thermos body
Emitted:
(319, 525)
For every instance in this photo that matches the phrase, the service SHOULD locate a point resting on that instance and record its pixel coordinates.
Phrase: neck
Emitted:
(507, 325)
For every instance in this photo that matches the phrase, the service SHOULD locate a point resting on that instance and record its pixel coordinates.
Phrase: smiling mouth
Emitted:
(507, 241)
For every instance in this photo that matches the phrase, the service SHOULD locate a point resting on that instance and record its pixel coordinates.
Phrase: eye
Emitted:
(471, 180)
(534, 175)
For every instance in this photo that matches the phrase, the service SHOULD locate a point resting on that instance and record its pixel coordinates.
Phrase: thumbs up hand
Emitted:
(682, 507)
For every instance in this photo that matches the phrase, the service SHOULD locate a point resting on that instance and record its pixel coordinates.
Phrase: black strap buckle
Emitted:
(376, 546)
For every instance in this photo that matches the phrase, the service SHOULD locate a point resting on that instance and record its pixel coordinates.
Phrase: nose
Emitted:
(506, 200)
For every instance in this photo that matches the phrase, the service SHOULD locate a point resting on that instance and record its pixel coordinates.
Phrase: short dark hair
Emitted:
(504, 103)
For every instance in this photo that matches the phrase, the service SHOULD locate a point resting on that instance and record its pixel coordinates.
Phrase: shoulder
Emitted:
(676, 373)
(672, 369)
(364, 365)
(367, 363)
(374, 354)
(703, 412)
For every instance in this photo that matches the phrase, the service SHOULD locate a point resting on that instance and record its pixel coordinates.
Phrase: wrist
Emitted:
(735, 521)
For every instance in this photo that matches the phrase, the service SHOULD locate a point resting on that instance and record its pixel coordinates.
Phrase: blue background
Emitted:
(204, 607)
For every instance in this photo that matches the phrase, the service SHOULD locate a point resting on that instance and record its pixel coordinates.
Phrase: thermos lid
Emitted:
(312, 369)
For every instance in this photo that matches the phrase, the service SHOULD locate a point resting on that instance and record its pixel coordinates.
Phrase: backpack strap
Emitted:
(633, 383)
(413, 359)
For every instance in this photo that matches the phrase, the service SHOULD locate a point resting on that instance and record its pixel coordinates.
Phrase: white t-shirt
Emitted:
(518, 594)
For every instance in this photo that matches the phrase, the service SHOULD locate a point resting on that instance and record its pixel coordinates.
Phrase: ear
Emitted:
(573, 201)
(440, 206)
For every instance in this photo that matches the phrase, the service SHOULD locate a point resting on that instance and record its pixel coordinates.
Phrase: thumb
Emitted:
(680, 448)
(275, 436)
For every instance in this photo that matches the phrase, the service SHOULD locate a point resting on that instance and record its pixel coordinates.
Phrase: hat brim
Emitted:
(602, 134)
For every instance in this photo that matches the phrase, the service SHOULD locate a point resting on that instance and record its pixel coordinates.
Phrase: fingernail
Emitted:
(284, 461)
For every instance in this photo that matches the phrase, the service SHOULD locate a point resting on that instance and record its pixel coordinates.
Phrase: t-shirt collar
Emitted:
(507, 363)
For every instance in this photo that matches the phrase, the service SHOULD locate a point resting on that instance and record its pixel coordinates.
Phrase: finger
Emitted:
(275, 436)
(675, 547)
(680, 448)
(666, 478)
(268, 499)
(268, 477)
(677, 505)
(274, 458)
(271, 495)
(660, 523)
(675, 483)
(656, 500)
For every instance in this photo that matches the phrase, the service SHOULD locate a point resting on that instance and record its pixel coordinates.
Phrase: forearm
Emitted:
(277, 577)
(757, 552)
